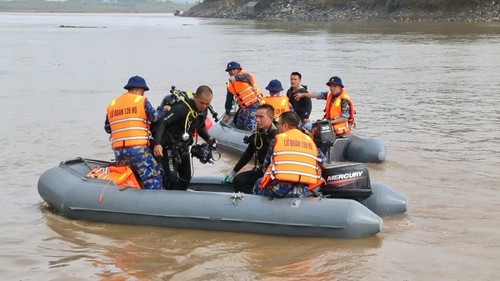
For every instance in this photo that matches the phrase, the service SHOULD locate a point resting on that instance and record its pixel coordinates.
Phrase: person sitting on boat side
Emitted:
(258, 145)
(303, 106)
(280, 103)
(293, 163)
(127, 120)
(174, 136)
(339, 108)
(242, 87)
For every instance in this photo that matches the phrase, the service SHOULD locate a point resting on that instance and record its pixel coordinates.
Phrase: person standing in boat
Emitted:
(302, 106)
(127, 120)
(280, 103)
(258, 145)
(242, 87)
(339, 108)
(174, 136)
(293, 163)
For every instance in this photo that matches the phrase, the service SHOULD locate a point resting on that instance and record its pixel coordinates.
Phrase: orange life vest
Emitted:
(128, 121)
(333, 108)
(120, 175)
(280, 103)
(294, 160)
(246, 94)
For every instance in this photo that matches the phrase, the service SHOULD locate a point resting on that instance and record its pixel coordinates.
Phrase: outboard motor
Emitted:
(323, 135)
(351, 181)
(326, 140)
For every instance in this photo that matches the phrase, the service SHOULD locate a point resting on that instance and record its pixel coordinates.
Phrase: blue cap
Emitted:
(336, 81)
(274, 86)
(233, 65)
(136, 82)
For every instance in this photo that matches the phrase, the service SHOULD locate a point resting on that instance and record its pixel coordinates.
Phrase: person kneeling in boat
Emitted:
(127, 120)
(174, 136)
(280, 103)
(258, 145)
(339, 108)
(293, 163)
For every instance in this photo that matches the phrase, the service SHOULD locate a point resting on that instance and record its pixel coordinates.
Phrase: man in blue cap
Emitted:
(280, 103)
(339, 108)
(242, 88)
(127, 120)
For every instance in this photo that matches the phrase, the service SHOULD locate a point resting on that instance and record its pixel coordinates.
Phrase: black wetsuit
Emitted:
(257, 142)
(176, 160)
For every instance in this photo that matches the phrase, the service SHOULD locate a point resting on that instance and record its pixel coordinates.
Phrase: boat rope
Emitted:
(102, 192)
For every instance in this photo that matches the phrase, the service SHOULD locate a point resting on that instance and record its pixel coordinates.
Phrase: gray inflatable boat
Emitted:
(353, 149)
(208, 204)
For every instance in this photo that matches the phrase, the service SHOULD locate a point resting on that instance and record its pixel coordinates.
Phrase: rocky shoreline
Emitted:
(304, 10)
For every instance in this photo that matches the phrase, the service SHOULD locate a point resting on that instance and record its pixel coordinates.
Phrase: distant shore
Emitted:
(350, 11)
(65, 7)
(279, 10)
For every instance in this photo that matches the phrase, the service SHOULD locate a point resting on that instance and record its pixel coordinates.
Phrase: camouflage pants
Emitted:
(245, 118)
(281, 189)
(141, 161)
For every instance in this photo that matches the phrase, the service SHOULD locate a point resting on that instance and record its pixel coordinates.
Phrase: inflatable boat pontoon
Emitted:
(353, 149)
(209, 204)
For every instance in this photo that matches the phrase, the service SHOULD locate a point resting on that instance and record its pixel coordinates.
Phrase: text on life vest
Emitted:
(296, 143)
(122, 111)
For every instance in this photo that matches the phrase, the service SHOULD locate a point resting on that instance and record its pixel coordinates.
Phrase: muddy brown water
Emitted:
(430, 92)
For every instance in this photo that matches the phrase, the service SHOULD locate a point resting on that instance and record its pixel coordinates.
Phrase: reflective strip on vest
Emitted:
(130, 128)
(247, 94)
(130, 119)
(129, 138)
(295, 153)
(297, 163)
(272, 173)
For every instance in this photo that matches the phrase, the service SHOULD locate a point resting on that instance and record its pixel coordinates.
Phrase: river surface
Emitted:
(430, 92)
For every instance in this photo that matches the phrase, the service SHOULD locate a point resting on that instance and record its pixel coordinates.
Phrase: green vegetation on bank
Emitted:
(93, 6)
